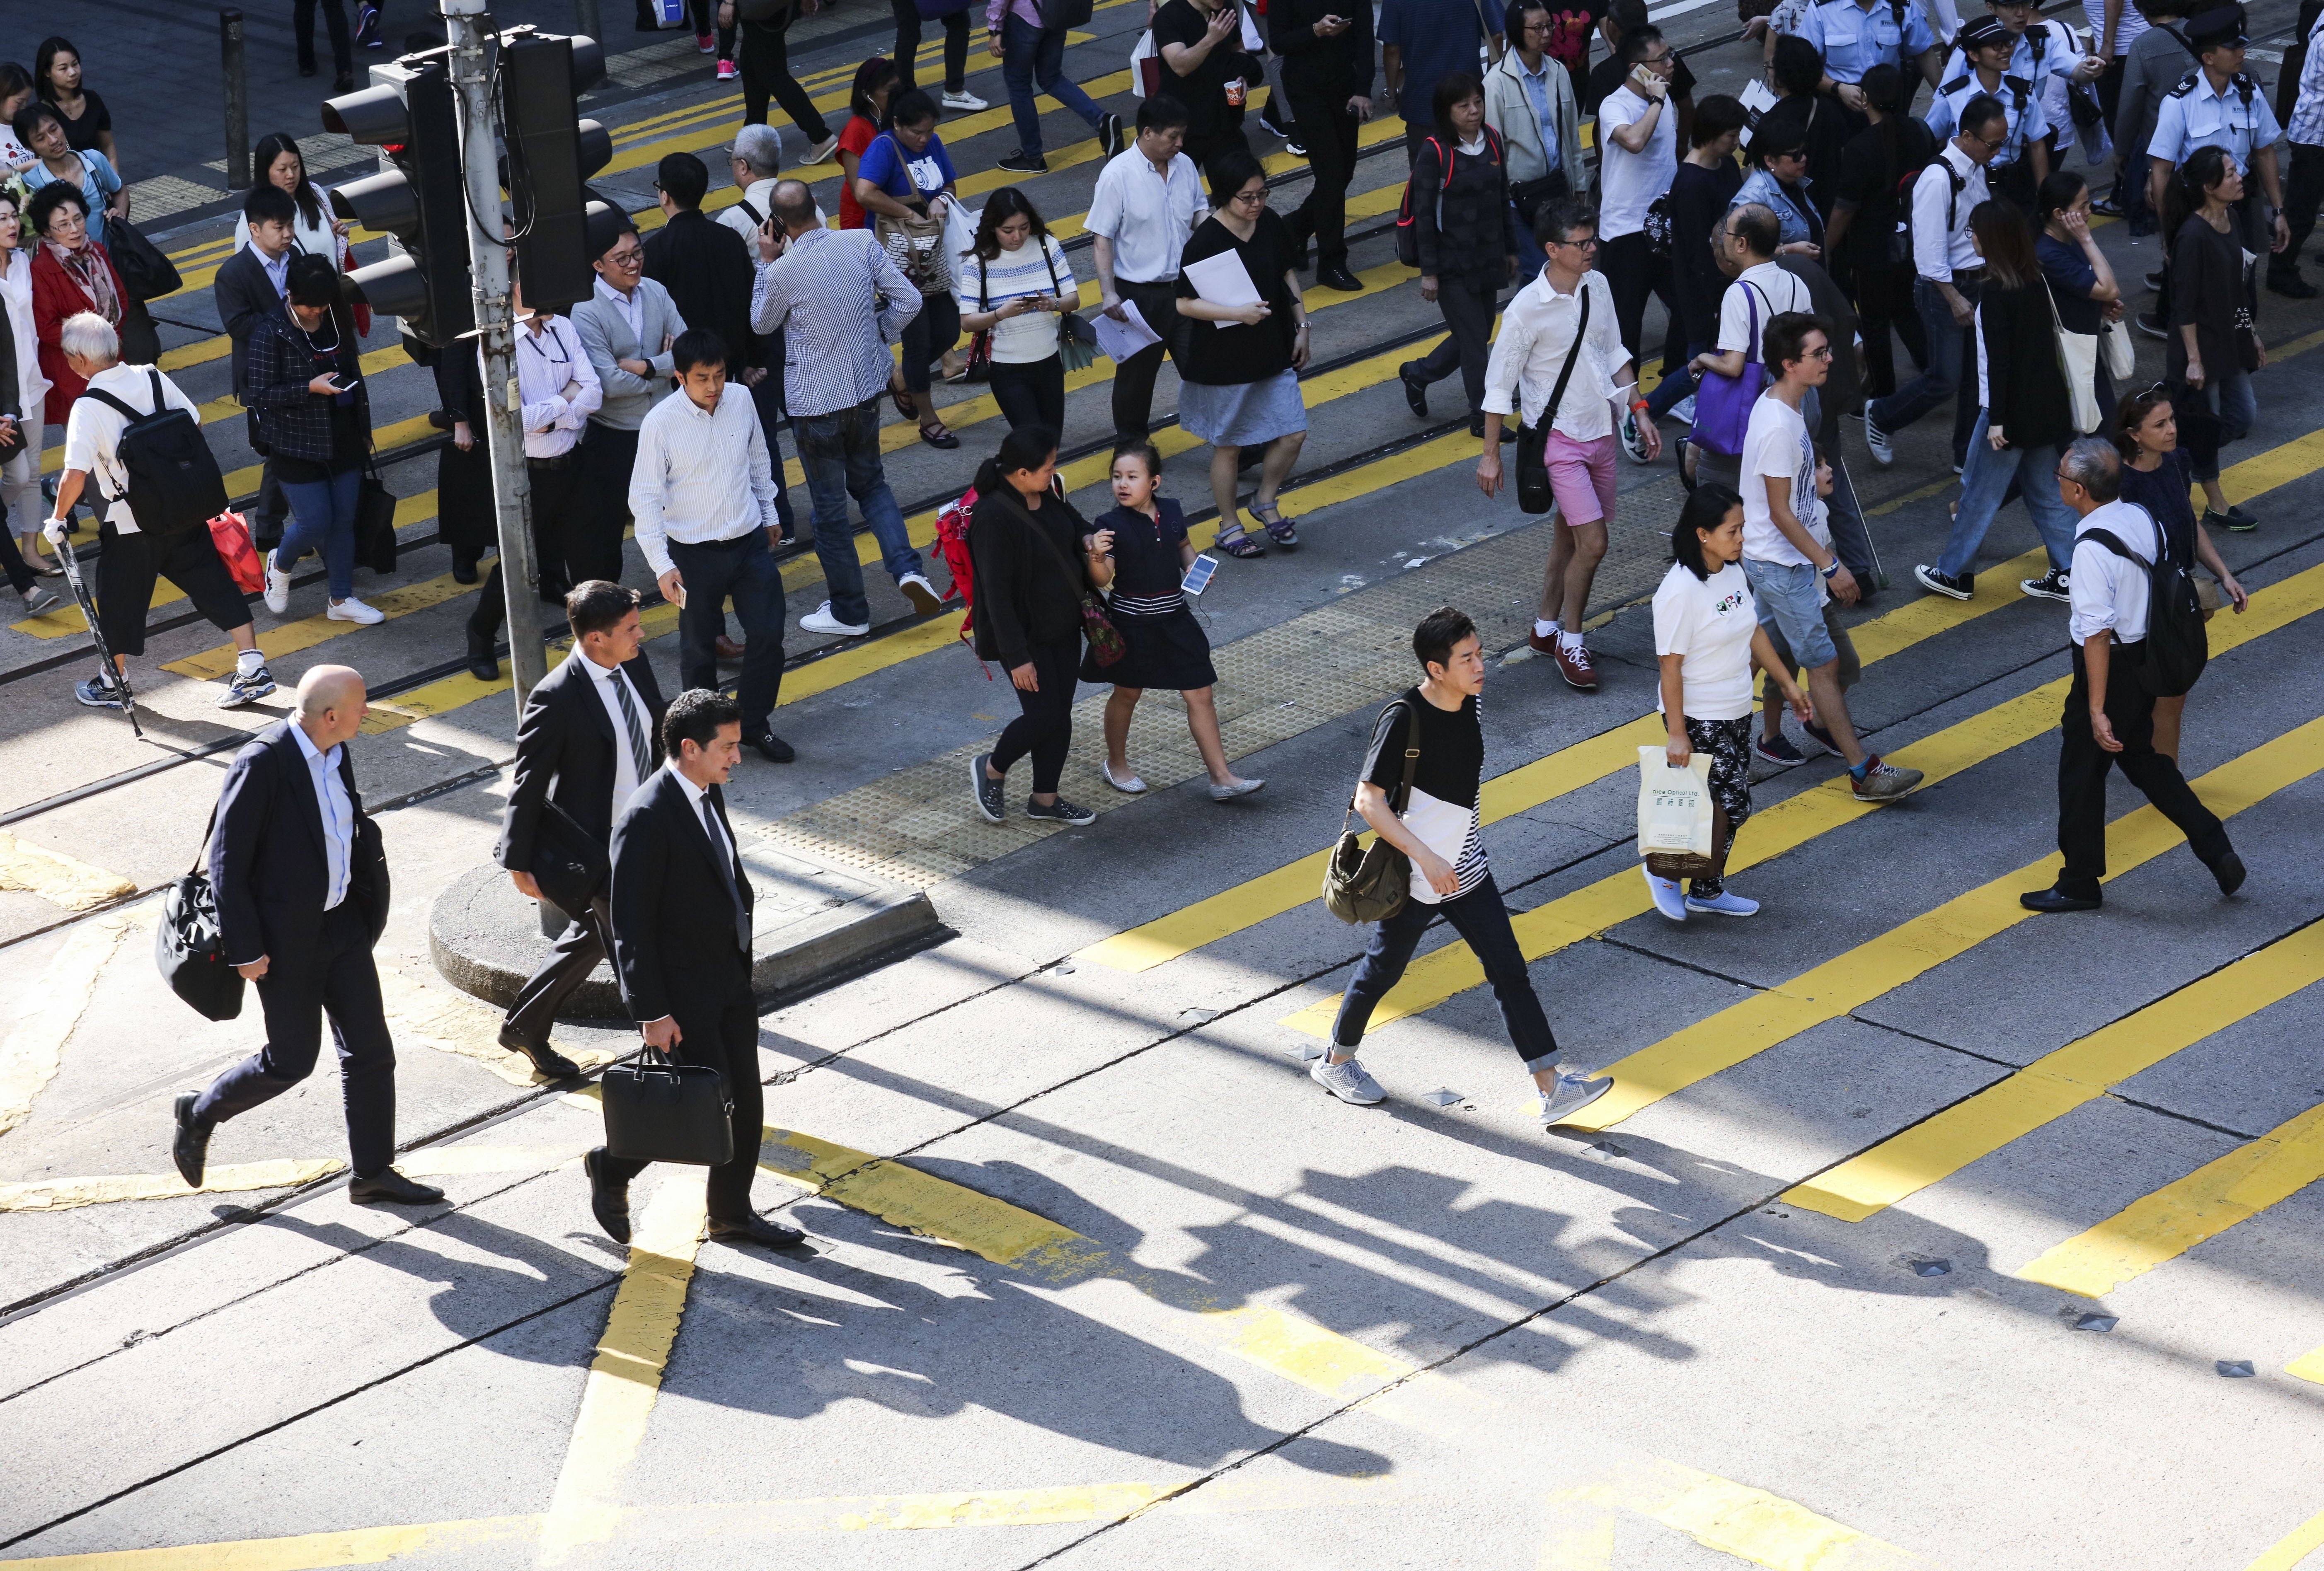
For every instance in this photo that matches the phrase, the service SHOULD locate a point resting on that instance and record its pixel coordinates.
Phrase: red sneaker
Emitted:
(1574, 665)
(1540, 644)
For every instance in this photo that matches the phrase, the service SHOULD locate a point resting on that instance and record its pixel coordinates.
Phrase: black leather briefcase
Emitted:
(569, 866)
(657, 1110)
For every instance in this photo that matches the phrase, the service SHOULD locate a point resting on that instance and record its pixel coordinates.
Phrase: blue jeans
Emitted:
(1675, 387)
(2232, 407)
(323, 520)
(840, 452)
(1483, 923)
(1986, 482)
(1031, 55)
(743, 570)
(1950, 372)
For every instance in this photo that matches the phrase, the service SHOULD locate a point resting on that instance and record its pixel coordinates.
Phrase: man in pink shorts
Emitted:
(1559, 362)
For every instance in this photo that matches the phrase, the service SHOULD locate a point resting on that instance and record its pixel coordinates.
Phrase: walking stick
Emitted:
(120, 678)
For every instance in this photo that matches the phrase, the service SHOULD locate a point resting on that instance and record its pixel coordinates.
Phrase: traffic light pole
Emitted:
(465, 23)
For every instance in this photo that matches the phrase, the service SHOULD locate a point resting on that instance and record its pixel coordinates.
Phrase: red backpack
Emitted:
(952, 544)
(1407, 236)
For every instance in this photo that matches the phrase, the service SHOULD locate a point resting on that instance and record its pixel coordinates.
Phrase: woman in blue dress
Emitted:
(1146, 561)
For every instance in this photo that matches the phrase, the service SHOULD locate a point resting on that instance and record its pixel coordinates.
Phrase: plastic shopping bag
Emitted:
(1674, 809)
(1145, 66)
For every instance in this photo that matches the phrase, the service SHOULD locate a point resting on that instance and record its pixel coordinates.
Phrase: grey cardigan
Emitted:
(607, 339)
(1509, 112)
(2158, 60)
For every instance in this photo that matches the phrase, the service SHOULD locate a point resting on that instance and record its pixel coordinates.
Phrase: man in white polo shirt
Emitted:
(1148, 202)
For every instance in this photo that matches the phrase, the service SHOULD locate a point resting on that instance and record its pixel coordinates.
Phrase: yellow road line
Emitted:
(2303, 1540)
(2173, 1219)
(1734, 1519)
(2309, 1365)
(2056, 1083)
(1446, 972)
(49, 1010)
(67, 1194)
(56, 877)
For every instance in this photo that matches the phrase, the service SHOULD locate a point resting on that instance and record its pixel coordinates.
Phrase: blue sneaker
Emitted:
(1723, 903)
(1779, 750)
(1667, 899)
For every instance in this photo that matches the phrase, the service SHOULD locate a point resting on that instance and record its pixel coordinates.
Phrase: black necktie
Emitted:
(639, 757)
(724, 857)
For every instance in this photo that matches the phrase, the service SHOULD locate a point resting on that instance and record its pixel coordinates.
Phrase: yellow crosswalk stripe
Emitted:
(1444, 973)
(2056, 1083)
(1719, 1513)
(2163, 1225)
(289, 638)
(2293, 1549)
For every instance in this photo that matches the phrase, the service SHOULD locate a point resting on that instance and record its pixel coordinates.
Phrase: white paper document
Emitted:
(1223, 281)
(1118, 341)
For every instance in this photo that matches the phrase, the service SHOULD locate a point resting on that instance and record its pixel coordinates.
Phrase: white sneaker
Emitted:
(818, 152)
(821, 620)
(352, 609)
(963, 99)
(1573, 1093)
(278, 588)
(1348, 1081)
(1668, 900)
(926, 600)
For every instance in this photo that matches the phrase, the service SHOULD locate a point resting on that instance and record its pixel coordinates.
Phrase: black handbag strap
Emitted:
(1403, 797)
(202, 854)
(1565, 374)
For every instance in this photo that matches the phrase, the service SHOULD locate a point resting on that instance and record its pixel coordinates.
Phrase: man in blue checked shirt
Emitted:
(1854, 38)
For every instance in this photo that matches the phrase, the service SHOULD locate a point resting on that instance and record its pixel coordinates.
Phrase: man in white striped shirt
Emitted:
(703, 493)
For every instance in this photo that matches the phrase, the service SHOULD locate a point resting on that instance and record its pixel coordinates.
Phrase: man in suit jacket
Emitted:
(252, 284)
(681, 915)
(302, 892)
(587, 738)
(627, 327)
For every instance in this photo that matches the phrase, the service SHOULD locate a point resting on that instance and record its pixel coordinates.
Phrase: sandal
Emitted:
(902, 399)
(1283, 531)
(937, 436)
(1240, 544)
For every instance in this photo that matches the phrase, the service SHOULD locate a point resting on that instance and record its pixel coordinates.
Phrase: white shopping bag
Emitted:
(959, 235)
(1674, 804)
(1142, 80)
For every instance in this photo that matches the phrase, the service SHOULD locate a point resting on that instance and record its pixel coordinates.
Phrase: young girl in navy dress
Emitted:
(1166, 649)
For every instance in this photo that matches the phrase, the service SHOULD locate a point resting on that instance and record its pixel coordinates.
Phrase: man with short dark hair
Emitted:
(251, 283)
(588, 737)
(680, 908)
(704, 265)
(1326, 47)
(705, 524)
(1437, 824)
(1148, 202)
(2109, 714)
(627, 326)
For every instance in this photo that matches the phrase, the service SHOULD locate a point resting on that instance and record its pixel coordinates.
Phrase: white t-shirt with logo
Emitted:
(1709, 621)
(1777, 444)
(1630, 181)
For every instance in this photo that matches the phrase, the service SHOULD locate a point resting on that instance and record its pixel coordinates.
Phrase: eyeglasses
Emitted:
(625, 259)
(1256, 198)
(1662, 58)
(1587, 243)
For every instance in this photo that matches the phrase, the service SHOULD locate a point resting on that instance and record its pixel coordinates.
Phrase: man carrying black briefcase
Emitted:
(680, 904)
(587, 740)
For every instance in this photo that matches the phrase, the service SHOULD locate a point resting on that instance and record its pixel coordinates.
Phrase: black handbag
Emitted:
(1533, 492)
(189, 947)
(659, 1110)
(568, 865)
(1372, 883)
(146, 271)
(375, 524)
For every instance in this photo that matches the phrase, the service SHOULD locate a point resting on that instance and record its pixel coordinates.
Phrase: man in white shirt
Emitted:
(1148, 202)
(1560, 360)
(128, 559)
(1638, 130)
(2109, 715)
(1787, 555)
(704, 496)
(1950, 276)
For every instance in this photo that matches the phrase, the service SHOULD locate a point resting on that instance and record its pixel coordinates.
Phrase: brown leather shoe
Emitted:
(1574, 665)
(729, 651)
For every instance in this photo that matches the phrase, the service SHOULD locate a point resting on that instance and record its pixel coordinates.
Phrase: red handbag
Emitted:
(231, 535)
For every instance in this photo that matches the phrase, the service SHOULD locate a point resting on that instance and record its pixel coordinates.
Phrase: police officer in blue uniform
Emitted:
(2038, 49)
(1854, 38)
(2021, 161)
(2218, 105)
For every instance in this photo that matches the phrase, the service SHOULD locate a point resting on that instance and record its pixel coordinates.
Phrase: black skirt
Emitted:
(464, 497)
(1168, 651)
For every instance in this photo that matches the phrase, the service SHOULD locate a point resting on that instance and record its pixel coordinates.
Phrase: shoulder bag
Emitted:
(145, 268)
(1371, 884)
(189, 945)
(375, 521)
(2078, 361)
(1104, 638)
(659, 1110)
(1076, 339)
(1533, 492)
(1722, 404)
(916, 244)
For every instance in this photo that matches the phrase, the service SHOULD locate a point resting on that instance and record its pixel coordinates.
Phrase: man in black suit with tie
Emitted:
(251, 284)
(681, 913)
(586, 742)
(302, 892)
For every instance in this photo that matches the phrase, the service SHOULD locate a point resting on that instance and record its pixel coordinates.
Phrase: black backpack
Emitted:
(174, 483)
(2177, 647)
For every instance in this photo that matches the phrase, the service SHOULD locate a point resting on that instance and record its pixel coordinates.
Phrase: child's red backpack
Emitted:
(952, 544)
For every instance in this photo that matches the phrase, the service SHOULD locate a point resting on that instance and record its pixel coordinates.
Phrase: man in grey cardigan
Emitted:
(627, 327)
(2157, 62)
(1529, 101)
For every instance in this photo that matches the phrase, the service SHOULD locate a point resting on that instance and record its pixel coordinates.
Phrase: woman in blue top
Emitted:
(1148, 556)
(2082, 286)
(43, 130)
(906, 174)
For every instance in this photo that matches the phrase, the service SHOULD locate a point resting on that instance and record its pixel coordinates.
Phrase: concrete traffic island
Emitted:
(815, 925)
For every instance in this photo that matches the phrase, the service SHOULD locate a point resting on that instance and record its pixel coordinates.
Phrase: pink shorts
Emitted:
(1581, 477)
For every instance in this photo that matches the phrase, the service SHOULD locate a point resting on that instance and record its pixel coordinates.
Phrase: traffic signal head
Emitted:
(550, 153)
(421, 204)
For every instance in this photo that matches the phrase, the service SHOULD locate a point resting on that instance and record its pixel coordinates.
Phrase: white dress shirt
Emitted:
(1146, 216)
(1536, 331)
(701, 475)
(629, 305)
(338, 812)
(626, 764)
(698, 798)
(557, 387)
(2105, 590)
(1941, 249)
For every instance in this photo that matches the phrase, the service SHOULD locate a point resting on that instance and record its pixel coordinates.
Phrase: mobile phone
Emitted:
(344, 386)
(1198, 576)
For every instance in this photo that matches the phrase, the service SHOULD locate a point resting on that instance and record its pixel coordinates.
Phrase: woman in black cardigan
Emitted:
(1466, 233)
(2028, 416)
(1033, 555)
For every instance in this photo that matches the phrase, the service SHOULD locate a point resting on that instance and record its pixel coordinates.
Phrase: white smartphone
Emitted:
(1198, 576)
(348, 386)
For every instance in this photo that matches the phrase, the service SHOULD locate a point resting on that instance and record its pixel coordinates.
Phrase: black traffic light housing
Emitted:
(421, 202)
(548, 155)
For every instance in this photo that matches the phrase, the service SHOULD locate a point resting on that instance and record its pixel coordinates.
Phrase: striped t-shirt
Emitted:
(1442, 811)
(1013, 275)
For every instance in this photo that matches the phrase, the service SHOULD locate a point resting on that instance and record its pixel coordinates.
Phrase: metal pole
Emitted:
(496, 331)
(237, 101)
(587, 19)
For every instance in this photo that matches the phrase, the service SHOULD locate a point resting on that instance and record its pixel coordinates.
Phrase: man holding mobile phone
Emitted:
(1205, 68)
(1326, 47)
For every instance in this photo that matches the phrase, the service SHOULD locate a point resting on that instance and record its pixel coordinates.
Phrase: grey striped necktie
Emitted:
(641, 760)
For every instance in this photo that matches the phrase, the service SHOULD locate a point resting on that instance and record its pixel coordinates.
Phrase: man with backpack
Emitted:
(2138, 636)
(140, 437)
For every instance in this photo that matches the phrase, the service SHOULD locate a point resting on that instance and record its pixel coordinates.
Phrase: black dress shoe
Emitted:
(484, 665)
(608, 1200)
(1338, 277)
(555, 589)
(773, 748)
(1300, 237)
(307, 69)
(189, 1148)
(464, 567)
(2229, 872)
(1416, 393)
(2053, 900)
(1477, 428)
(390, 1187)
(755, 1230)
(2292, 286)
(545, 1057)
(344, 83)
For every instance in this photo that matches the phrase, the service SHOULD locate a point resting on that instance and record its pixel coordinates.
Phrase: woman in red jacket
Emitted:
(70, 274)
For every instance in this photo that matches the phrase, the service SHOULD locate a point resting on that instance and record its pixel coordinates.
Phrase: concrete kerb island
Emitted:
(815, 924)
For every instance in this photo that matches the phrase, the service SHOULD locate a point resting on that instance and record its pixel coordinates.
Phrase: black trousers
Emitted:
(2083, 765)
(722, 1030)
(583, 943)
(1045, 729)
(767, 398)
(1884, 301)
(1329, 132)
(1468, 307)
(908, 23)
(593, 536)
(2303, 187)
(1133, 378)
(766, 68)
(1631, 266)
(742, 570)
(339, 982)
(127, 565)
(1204, 148)
(302, 27)
(1032, 393)
(556, 500)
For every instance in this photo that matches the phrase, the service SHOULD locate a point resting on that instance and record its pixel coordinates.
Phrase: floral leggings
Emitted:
(1728, 744)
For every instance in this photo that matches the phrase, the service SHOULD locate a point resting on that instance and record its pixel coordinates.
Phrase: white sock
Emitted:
(245, 661)
(1570, 640)
(1544, 629)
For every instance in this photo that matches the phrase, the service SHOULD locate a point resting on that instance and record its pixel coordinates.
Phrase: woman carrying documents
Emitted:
(1239, 378)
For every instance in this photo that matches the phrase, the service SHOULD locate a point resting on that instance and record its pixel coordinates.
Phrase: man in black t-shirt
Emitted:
(1435, 729)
